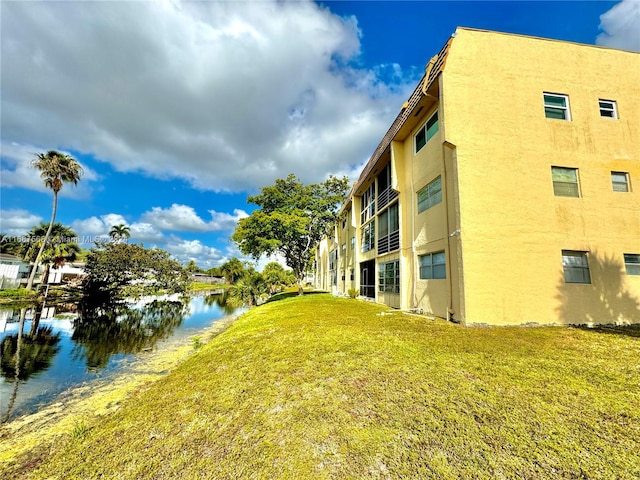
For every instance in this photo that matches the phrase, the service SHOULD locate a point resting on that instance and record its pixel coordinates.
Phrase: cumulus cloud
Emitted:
(226, 95)
(16, 222)
(185, 218)
(100, 227)
(186, 250)
(621, 26)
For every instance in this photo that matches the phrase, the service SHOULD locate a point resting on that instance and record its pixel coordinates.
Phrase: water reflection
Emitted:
(99, 334)
(221, 300)
(46, 349)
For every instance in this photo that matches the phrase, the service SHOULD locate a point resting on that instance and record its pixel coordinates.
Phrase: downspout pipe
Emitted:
(446, 145)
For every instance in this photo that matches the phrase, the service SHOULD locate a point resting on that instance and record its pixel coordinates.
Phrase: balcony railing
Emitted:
(385, 197)
(389, 242)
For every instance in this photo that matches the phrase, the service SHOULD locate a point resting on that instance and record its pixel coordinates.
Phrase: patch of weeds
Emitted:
(196, 342)
(80, 430)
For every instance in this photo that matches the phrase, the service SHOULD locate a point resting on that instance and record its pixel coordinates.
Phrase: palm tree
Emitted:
(55, 168)
(249, 290)
(60, 247)
(232, 270)
(119, 232)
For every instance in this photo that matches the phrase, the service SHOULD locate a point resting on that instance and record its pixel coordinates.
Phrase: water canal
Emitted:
(48, 350)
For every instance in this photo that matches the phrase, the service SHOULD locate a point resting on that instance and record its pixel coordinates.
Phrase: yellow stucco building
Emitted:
(507, 190)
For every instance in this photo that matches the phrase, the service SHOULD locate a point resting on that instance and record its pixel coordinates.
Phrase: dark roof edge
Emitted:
(426, 81)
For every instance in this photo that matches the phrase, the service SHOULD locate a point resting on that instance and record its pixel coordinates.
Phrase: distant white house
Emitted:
(69, 272)
(15, 272)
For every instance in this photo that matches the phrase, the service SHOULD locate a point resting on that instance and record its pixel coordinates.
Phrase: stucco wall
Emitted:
(513, 228)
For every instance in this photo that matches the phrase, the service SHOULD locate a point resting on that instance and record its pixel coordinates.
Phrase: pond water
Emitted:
(59, 348)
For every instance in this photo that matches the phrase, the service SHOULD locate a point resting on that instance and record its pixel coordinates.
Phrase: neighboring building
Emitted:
(507, 190)
(15, 272)
(204, 278)
(72, 273)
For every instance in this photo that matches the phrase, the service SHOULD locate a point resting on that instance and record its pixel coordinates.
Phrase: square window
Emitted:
(389, 277)
(575, 266)
(632, 263)
(608, 108)
(565, 182)
(432, 266)
(556, 106)
(430, 195)
(427, 132)
(620, 181)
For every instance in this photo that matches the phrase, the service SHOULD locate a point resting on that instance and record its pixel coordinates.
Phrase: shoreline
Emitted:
(82, 406)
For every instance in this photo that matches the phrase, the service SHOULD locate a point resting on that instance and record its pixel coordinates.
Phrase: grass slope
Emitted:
(319, 387)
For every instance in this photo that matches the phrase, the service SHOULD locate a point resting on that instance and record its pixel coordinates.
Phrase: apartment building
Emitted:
(506, 191)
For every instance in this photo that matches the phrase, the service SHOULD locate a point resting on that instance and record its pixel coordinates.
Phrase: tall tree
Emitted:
(292, 219)
(55, 169)
(119, 233)
(120, 270)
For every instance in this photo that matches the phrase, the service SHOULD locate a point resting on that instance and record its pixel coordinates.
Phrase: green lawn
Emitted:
(317, 387)
(205, 287)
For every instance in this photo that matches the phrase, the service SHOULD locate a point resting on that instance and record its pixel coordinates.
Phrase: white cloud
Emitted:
(227, 95)
(185, 218)
(16, 170)
(100, 227)
(17, 221)
(621, 26)
(186, 250)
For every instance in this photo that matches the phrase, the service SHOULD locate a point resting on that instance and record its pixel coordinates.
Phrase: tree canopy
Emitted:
(119, 270)
(291, 220)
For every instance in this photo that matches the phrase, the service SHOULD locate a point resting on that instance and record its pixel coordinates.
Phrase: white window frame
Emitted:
(632, 263)
(369, 236)
(424, 128)
(611, 108)
(566, 109)
(574, 262)
(431, 198)
(368, 207)
(615, 183)
(383, 285)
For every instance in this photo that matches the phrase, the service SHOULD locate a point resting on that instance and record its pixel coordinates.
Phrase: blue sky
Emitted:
(177, 110)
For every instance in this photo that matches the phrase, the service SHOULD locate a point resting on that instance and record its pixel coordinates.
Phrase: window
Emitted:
(620, 181)
(388, 230)
(368, 207)
(333, 260)
(430, 195)
(565, 182)
(389, 277)
(556, 106)
(632, 263)
(353, 243)
(386, 194)
(427, 132)
(432, 266)
(608, 108)
(368, 236)
(575, 266)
